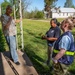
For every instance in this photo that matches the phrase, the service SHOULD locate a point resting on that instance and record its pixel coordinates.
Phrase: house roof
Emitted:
(63, 10)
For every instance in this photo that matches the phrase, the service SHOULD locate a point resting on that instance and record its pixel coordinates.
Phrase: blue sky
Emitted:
(1, 1)
(39, 4)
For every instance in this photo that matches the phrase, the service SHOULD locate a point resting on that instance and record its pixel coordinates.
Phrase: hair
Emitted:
(8, 6)
(70, 23)
(55, 20)
(58, 23)
(73, 17)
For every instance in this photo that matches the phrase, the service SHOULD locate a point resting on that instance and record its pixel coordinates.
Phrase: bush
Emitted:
(39, 14)
(34, 14)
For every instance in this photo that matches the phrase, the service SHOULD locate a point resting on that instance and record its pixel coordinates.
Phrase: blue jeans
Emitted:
(11, 41)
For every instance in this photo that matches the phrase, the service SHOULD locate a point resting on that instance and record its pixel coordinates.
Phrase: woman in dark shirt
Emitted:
(51, 36)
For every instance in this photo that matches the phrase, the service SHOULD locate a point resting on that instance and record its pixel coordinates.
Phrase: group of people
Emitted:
(60, 47)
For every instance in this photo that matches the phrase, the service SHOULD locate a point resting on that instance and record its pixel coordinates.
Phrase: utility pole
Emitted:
(0, 9)
(14, 12)
(16, 27)
(21, 28)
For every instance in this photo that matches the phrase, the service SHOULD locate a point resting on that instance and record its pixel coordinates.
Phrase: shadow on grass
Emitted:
(72, 71)
(37, 38)
(72, 67)
(2, 42)
(36, 60)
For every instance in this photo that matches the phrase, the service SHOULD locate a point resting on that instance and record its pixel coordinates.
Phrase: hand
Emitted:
(18, 20)
(43, 37)
(54, 61)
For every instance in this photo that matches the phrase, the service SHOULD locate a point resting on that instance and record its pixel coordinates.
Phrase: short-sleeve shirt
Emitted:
(65, 42)
(12, 28)
(53, 32)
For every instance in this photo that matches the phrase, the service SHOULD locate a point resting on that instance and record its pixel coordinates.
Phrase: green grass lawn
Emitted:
(35, 47)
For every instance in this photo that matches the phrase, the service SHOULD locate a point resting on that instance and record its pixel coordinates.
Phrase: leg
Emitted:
(8, 43)
(57, 70)
(65, 68)
(60, 69)
(50, 49)
(13, 48)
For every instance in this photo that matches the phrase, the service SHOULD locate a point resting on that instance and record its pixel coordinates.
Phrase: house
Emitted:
(62, 12)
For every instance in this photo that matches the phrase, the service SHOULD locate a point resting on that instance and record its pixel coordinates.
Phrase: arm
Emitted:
(18, 20)
(60, 54)
(56, 35)
(6, 25)
(50, 39)
(64, 45)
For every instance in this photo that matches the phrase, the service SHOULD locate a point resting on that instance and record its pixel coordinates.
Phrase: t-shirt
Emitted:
(12, 28)
(65, 42)
(53, 32)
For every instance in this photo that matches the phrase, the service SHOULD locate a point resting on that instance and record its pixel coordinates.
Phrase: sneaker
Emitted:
(17, 63)
(11, 59)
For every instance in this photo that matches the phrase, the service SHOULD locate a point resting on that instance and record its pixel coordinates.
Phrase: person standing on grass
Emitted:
(63, 53)
(51, 36)
(9, 30)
